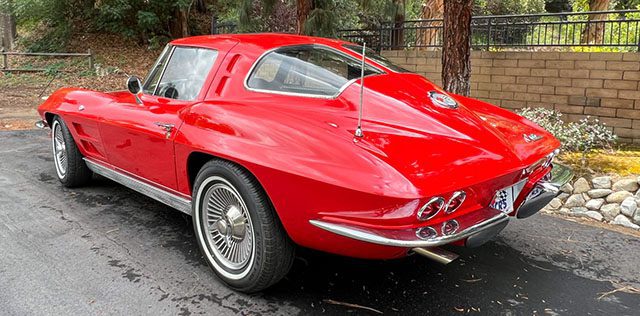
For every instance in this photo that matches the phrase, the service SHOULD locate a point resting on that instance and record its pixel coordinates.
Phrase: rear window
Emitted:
(306, 70)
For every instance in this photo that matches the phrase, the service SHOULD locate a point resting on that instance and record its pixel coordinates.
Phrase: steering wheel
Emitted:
(170, 92)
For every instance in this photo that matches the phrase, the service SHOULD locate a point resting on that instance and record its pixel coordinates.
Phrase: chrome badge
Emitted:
(529, 138)
(443, 100)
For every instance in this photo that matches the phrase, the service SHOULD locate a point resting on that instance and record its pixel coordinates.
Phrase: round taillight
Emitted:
(426, 233)
(455, 202)
(430, 209)
(450, 227)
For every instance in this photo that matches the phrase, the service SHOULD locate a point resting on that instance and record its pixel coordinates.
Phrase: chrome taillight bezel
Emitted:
(437, 199)
(456, 195)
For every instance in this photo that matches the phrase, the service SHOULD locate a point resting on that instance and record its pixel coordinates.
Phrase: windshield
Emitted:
(372, 55)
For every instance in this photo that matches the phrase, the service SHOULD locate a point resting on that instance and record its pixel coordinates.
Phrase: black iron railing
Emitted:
(603, 28)
(619, 29)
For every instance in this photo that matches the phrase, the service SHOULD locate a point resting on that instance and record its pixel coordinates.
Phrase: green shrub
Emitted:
(583, 136)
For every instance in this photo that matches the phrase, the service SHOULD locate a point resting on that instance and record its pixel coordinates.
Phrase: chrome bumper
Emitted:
(484, 220)
(545, 191)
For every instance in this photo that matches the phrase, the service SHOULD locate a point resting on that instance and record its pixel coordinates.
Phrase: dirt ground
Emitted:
(115, 59)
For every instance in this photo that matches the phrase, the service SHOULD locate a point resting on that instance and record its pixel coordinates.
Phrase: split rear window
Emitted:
(306, 70)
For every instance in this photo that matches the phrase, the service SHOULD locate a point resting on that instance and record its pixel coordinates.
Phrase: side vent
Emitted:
(221, 85)
(232, 62)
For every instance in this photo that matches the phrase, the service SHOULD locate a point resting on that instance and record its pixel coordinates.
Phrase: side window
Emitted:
(306, 70)
(185, 73)
(153, 77)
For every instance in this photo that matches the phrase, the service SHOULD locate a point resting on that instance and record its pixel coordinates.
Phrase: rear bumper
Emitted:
(468, 225)
(476, 227)
(544, 191)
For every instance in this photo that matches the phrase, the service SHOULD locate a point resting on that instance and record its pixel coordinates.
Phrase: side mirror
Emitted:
(135, 87)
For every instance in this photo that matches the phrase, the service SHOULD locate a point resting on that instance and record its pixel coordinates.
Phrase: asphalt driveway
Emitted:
(105, 249)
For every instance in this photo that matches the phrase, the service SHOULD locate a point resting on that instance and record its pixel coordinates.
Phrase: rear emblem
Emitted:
(443, 100)
(529, 138)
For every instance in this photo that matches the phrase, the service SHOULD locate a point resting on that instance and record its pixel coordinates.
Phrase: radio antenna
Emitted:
(358, 132)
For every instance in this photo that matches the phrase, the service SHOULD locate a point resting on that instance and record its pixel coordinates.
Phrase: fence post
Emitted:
(90, 59)
(214, 23)
(5, 63)
(380, 38)
(489, 23)
(638, 31)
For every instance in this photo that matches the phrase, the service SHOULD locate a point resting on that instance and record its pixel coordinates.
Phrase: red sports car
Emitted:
(271, 141)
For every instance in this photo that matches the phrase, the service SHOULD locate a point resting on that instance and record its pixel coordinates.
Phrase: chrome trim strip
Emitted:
(327, 97)
(155, 90)
(157, 193)
(363, 234)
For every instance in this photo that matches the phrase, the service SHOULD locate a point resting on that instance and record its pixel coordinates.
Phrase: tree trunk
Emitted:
(397, 35)
(593, 33)
(7, 27)
(430, 32)
(456, 46)
(180, 25)
(303, 9)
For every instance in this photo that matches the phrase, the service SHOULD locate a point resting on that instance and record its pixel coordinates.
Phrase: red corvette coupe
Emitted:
(273, 140)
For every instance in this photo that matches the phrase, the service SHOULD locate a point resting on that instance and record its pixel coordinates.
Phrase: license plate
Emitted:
(504, 199)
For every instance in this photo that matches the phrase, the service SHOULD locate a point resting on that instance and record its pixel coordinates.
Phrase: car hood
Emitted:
(438, 148)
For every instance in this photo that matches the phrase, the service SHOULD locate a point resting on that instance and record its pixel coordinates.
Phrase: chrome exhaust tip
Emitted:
(41, 124)
(436, 254)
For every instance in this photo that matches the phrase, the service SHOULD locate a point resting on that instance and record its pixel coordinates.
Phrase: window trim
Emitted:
(155, 90)
(146, 79)
(300, 94)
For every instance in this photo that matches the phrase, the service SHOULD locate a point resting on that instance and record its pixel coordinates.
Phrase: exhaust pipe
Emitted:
(41, 124)
(436, 254)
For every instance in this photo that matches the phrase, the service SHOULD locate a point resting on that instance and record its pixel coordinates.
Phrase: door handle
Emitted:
(167, 128)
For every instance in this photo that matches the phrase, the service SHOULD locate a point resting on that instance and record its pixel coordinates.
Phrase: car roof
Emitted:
(263, 40)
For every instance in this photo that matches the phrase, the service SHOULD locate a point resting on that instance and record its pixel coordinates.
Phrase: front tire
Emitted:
(71, 169)
(237, 229)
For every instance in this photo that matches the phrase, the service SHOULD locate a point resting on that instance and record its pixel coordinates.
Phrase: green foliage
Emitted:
(583, 136)
(321, 20)
(503, 7)
(54, 40)
(614, 33)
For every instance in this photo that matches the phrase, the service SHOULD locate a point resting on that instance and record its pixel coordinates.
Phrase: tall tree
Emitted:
(303, 8)
(593, 33)
(432, 11)
(7, 25)
(179, 25)
(456, 46)
(397, 35)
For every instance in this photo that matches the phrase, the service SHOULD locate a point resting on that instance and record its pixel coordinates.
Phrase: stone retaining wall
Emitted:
(616, 201)
(603, 85)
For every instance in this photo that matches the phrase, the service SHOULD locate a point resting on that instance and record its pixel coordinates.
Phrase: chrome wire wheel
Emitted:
(59, 150)
(228, 228)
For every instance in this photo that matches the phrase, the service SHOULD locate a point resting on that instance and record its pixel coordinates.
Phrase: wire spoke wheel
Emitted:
(237, 229)
(59, 150)
(228, 226)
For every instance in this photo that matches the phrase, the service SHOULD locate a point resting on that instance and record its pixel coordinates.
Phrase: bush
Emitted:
(583, 136)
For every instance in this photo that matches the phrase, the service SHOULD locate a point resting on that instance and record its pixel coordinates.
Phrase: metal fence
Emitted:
(615, 29)
(585, 29)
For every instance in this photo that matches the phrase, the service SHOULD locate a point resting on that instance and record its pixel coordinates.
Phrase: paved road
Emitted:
(107, 250)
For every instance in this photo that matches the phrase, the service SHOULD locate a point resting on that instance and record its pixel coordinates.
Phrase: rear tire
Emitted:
(237, 229)
(71, 169)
